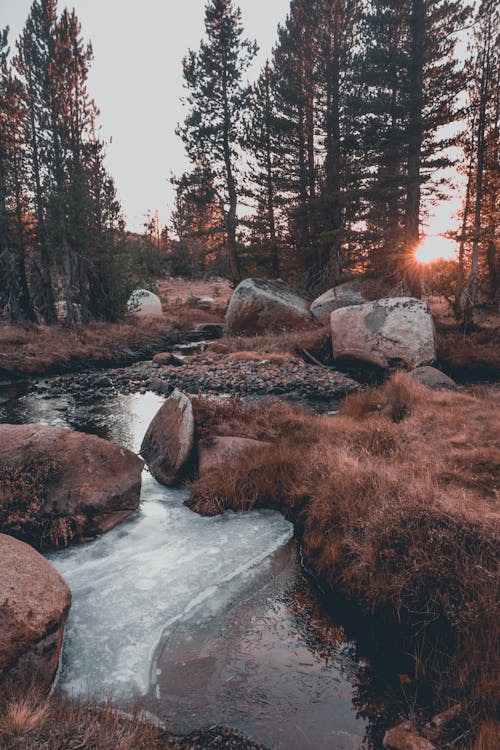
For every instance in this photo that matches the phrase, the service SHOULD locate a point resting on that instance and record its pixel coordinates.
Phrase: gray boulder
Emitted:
(344, 295)
(144, 304)
(168, 444)
(398, 331)
(261, 306)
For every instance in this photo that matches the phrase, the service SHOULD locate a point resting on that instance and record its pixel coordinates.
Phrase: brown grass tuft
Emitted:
(33, 721)
(21, 715)
(488, 737)
(474, 356)
(315, 339)
(396, 399)
(276, 359)
(22, 496)
(268, 419)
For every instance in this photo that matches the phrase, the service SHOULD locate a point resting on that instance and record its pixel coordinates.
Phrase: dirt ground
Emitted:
(176, 291)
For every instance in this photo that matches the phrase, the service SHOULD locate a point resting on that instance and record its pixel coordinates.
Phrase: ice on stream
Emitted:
(149, 574)
(137, 580)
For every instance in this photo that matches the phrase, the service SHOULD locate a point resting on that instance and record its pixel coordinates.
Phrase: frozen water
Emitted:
(137, 580)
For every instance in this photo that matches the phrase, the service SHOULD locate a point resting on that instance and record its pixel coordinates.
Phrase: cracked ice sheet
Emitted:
(131, 584)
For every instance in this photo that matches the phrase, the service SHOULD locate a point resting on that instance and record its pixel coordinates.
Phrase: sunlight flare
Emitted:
(437, 247)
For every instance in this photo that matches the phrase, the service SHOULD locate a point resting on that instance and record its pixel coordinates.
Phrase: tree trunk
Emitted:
(303, 223)
(25, 302)
(460, 281)
(415, 138)
(48, 305)
(332, 252)
(492, 244)
(470, 295)
(275, 262)
(231, 214)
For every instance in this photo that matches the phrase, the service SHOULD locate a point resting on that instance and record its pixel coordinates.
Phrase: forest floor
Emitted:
(27, 350)
(37, 350)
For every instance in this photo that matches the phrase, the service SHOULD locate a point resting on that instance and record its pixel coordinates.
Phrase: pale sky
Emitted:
(136, 81)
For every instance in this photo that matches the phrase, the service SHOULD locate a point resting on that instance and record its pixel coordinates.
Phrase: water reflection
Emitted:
(121, 419)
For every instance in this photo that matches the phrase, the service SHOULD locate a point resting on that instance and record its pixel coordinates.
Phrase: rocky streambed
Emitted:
(209, 374)
(206, 621)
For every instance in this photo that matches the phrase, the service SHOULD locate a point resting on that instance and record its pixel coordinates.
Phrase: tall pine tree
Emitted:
(219, 101)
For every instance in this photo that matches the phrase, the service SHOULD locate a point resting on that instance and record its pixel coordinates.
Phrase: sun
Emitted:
(435, 247)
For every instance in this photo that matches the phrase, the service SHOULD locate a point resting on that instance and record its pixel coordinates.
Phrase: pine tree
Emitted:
(264, 143)
(199, 223)
(411, 87)
(380, 113)
(312, 144)
(107, 266)
(481, 212)
(338, 37)
(32, 64)
(295, 66)
(219, 101)
(78, 227)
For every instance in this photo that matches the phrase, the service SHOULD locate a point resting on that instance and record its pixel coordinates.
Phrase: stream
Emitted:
(204, 621)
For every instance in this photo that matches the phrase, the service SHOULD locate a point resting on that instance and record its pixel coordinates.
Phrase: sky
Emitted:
(136, 81)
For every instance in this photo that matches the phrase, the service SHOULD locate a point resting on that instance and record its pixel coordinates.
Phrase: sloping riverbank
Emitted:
(395, 503)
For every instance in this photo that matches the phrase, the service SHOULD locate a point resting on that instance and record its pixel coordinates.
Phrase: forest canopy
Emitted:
(321, 168)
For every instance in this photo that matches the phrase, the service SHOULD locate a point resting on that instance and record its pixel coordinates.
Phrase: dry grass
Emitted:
(473, 356)
(315, 339)
(34, 349)
(22, 496)
(23, 715)
(488, 737)
(34, 721)
(396, 504)
(275, 359)
(269, 419)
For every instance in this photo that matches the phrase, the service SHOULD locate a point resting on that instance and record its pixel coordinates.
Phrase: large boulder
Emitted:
(34, 605)
(144, 304)
(261, 306)
(60, 486)
(168, 444)
(389, 332)
(219, 451)
(348, 294)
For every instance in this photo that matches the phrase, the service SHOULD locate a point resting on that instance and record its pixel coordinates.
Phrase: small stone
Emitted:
(432, 378)
(103, 382)
(405, 737)
(451, 715)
